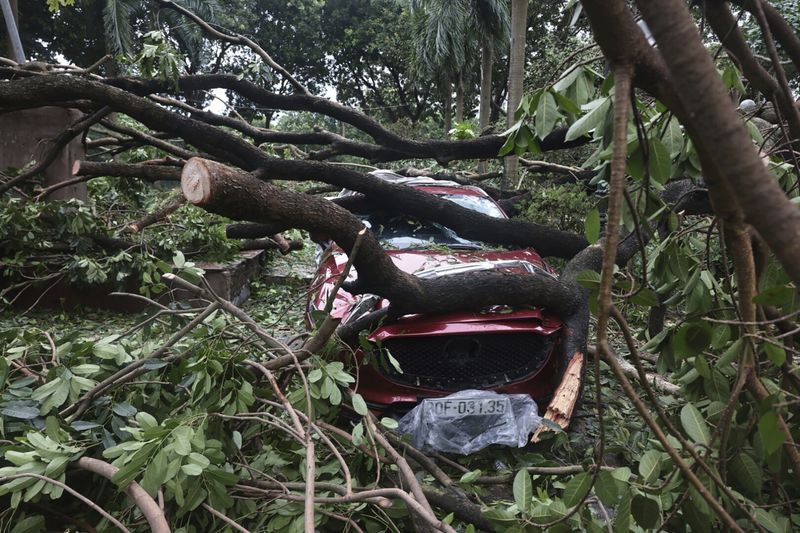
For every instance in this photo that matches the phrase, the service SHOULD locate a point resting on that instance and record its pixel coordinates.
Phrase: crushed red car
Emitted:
(507, 350)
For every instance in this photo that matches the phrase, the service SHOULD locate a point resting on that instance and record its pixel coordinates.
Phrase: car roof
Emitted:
(442, 186)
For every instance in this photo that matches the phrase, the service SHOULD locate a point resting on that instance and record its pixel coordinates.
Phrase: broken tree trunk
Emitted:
(238, 195)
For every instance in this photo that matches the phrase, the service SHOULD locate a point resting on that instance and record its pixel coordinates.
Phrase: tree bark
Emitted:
(139, 171)
(391, 146)
(230, 193)
(460, 99)
(516, 78)
(485, 107)
(726, 28)
(716, 129)
(447, 110)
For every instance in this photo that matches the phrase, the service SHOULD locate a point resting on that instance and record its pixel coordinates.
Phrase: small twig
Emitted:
(238, 39)
(224, 518)
(343, 276)
(73, 492)
(169, 207)
(128, 372)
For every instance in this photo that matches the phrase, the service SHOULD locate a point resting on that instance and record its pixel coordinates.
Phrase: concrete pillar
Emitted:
(24, 136)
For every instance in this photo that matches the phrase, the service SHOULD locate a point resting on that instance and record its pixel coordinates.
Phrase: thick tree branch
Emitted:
(727, 30)
(149, 508)
(150, 173)
(716, 129)
(393, 146)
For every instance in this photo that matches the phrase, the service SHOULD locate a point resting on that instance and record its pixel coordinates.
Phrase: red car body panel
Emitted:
(380, 390)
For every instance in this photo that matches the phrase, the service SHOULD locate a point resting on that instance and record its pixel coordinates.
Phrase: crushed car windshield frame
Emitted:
(403, 232)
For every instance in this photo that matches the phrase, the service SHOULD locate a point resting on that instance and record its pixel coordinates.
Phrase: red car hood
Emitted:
(432, 263)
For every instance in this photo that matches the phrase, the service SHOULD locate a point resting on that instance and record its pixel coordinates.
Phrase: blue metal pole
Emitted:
(13, 32)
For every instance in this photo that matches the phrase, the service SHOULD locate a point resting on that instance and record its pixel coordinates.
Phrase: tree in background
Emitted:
(448, 37)
(516, 76)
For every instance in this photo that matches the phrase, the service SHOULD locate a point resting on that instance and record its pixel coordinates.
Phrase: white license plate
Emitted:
(446, 408)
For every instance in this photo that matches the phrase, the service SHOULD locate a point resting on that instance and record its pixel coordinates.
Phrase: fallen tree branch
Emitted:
(169, 207)
(129, 372)
(658, 382)
(149, 508)
(146, 172)
(391, 146)
(232, 523)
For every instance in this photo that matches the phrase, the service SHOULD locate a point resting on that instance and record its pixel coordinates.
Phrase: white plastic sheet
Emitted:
(470, 420)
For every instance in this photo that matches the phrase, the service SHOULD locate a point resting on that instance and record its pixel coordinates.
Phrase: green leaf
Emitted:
(4, 371)
(471, 476)
(146, 420)
(775, 354)
(194, 498)
(198, 459)
(692, 338)
(645, 297)
(52, 428)
(124, 409)
(732, 80)
(730, 355)
(622, 522)
(508, 146)
(237, 440)
(695, 425)
(716, 386)
(105, 351)
(523, 490)
(720, 336)
(336, 395)
(394, 362)
(767, 520)
(746, 474)
(57, 398)
(589, 279)
(702, 367)
(546, 115)
(154, 473)
(178, 259)
(591, 120)
(660, 162)
(31, 524)
(777, 295)
(576, 488)
(650, 466)
(769, 430)
(359, 405)
(358, 434)
(182, 436)
(130, 471)
(591, 228)
(389, 423)
(192, 469)
(566, 104)
(673, 138)
(606, 488)
(23, 412)
(645, 511)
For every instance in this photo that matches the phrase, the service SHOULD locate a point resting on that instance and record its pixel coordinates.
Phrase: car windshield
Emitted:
(403, 232)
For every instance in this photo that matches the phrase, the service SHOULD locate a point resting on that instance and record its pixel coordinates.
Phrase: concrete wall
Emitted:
(24, 135)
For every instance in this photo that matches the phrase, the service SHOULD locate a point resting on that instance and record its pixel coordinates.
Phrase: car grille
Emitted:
(457, 362)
